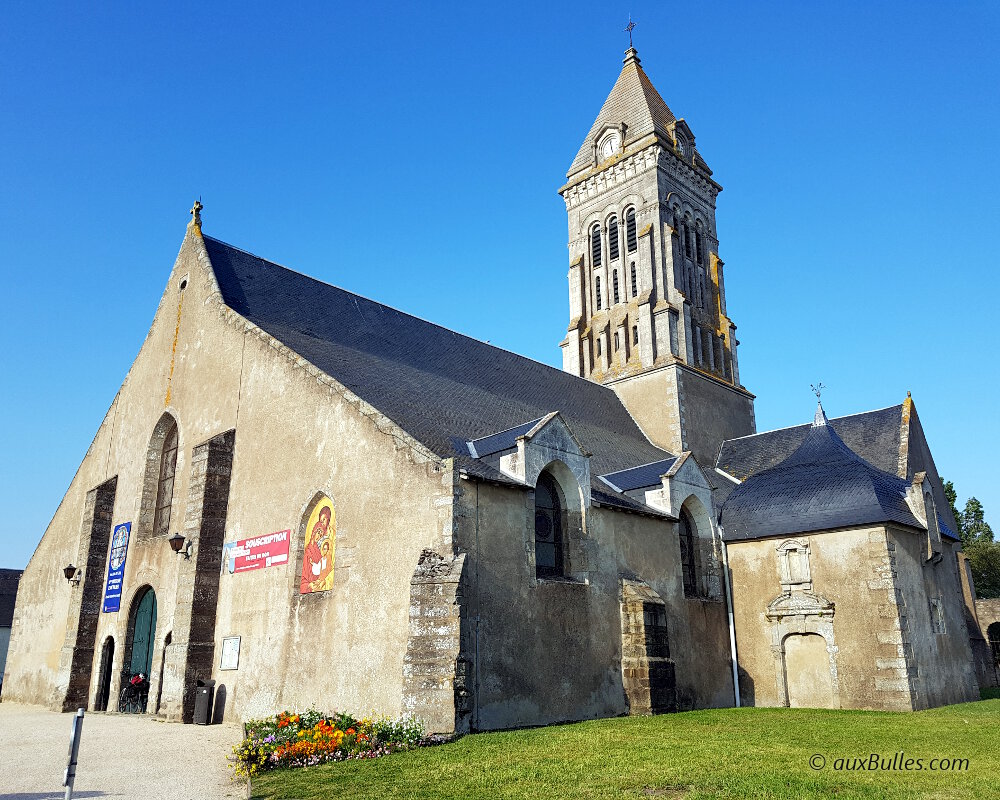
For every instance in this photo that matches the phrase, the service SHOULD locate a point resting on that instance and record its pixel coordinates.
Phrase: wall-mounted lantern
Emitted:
(72, 574)
(177, 544)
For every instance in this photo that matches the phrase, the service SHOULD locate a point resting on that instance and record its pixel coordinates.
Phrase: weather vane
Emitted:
(817, 389)
(628, 30)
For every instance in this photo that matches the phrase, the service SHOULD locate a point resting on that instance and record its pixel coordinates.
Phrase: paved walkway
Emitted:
(121, 756)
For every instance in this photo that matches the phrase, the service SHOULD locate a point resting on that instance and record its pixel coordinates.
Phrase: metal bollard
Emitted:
(74, 751)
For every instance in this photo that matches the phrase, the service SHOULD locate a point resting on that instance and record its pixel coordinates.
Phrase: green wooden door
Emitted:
(144, 634)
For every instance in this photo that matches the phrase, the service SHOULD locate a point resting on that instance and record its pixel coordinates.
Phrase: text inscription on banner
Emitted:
(256, 553)
(116, 566)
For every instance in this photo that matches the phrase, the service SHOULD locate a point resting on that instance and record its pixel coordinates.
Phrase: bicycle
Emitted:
(134, 695)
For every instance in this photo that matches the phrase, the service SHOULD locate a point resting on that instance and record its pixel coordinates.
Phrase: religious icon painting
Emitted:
(317, 554)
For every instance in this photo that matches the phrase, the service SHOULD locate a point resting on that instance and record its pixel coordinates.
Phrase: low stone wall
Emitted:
(988, 614)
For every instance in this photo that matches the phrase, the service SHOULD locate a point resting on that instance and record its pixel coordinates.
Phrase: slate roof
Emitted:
(873, 435)
(441, 387)
(634, 101)
(628, 480)
(823, 484)
(9, 579)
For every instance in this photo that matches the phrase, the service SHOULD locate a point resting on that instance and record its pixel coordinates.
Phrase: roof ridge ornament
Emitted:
(820, 417)
(631, 54)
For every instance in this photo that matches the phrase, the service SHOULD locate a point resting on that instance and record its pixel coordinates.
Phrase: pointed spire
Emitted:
(634, 103)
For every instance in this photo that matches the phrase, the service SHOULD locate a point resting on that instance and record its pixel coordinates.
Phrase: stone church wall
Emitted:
(943, 668)
(846, 569)
(680, 409)
(547, 651)
(296, 434)
(883, 652)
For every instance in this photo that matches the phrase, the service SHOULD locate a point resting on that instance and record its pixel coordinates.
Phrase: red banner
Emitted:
(261, 551)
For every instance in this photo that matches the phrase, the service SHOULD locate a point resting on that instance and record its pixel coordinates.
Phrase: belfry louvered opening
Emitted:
(595, 245)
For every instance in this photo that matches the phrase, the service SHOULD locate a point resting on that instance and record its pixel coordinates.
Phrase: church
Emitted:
(311, 498)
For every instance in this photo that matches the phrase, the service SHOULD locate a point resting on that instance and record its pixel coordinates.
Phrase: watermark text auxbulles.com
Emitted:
(897, 762)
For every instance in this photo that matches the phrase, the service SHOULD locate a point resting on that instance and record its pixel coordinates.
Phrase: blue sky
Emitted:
(412, 153)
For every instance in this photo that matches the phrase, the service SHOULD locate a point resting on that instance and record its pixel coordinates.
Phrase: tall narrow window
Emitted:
(165, 484)
(635, 334)
(597, 291)
(614, 285)
(688, 242)
(700, 244)
(613, 238)
(549, 528)
(595, 245)
(617, 342)
(598, 346)
(688, 554)
(635, 285)
(631, 242)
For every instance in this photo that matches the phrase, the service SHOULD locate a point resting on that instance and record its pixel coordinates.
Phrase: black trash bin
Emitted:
(203, 702)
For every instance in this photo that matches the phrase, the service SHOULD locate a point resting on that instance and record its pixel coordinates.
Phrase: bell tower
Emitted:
(647, 295)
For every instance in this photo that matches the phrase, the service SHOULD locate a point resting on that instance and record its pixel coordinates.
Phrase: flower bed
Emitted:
(311, 737)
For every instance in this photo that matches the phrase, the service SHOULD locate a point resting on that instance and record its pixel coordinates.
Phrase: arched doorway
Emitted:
(807, 672)
(993, 634)
(139, 651)
(104, 675)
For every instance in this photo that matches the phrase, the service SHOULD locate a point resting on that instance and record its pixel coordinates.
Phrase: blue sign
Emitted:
(116, 567)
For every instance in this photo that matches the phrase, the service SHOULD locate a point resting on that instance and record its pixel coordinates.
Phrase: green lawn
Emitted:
(729, 753)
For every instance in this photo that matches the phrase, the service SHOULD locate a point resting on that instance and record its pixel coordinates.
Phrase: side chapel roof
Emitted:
(822, 484)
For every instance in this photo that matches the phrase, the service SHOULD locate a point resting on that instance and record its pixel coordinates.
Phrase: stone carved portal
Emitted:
(802, 638)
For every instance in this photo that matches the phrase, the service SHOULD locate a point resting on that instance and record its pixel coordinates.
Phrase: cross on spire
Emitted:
(628, 30)
(196, 213)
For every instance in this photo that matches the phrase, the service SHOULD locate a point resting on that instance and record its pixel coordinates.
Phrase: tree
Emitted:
(974, 526)
(977, 542)
(984, 559)
(952, 495)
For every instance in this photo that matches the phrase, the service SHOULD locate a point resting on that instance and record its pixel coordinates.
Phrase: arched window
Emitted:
(689, 554)
(700, 244)
(635, 285)
(631, 241)
(613, 238)
(614, 285)
(165, 483)
(597, 285)
(550, 523)
(595, 245)
(688, 241)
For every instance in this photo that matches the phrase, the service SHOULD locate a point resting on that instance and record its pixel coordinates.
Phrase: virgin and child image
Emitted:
(317, 559)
